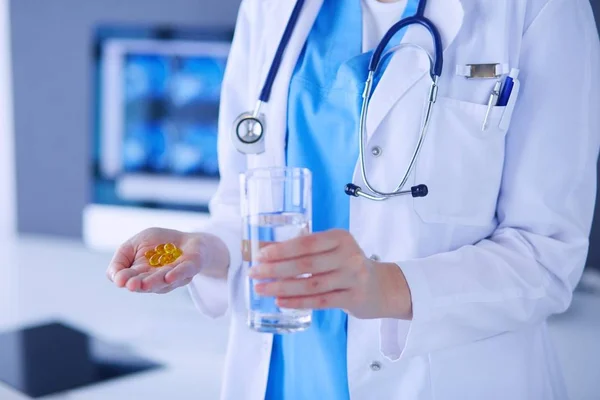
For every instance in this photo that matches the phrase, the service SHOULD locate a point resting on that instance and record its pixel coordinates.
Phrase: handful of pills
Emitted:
(163, 254)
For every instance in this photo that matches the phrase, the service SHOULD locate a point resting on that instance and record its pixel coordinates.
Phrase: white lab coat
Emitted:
(500, 242)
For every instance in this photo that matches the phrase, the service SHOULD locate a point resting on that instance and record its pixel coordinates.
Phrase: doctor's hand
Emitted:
(202, 253)
(339, 276)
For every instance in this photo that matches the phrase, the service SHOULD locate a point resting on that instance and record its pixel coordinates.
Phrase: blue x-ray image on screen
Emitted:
(157, 93)
(171, 106)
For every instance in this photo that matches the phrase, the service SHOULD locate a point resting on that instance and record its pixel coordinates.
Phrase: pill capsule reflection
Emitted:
(169, 248)
(166, 259)
(155, 260)
(177, 253)
(149, 254)
(160, 249)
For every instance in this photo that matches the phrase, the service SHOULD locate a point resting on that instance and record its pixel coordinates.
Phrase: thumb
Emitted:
(123, 259)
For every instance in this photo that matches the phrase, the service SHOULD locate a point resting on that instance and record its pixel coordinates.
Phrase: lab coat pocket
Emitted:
(461, 164)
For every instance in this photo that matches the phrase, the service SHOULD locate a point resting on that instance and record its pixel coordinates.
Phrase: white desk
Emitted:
(7, 393)
(51, 279)
(45, 279)
(577, 337)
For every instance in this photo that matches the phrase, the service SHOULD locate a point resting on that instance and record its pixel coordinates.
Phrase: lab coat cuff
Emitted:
(212, 296)
(403, 339)
(209, 295)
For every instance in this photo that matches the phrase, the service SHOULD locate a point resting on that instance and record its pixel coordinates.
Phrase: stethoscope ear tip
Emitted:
(352, 190)
(419, 191)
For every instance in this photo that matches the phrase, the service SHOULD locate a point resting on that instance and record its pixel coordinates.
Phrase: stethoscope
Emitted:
(249, 128)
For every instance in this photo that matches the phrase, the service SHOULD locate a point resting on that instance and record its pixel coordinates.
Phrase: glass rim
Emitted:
(276, 173)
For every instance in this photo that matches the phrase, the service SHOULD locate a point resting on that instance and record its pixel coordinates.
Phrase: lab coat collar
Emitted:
(276, 109)
(402, 73)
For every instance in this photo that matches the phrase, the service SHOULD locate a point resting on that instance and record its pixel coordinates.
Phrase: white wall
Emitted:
(7, 191)
(7, 160)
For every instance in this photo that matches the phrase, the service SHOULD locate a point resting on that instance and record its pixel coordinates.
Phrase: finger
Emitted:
(165, 290)
(313, 264)
(156, 280)
(318, 284)
(123, 259)
(181, 272)
(338, 299)
(134, 284)
(182, 283)
(303, 246)
(170, 288)
(123, 276)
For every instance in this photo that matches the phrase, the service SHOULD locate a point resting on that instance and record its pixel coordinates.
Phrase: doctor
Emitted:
(438, 297)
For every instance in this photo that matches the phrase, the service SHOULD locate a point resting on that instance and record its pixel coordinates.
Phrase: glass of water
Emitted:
(276, 206)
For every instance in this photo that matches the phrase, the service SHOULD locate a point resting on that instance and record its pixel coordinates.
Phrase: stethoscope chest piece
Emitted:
(248, 133)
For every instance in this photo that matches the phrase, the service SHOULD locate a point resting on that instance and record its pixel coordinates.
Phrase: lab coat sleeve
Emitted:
(528, 268)
(212, 296)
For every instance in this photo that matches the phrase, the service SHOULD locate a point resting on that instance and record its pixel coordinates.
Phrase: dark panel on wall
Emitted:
(51, 67)
(594, 254)
(596, 7)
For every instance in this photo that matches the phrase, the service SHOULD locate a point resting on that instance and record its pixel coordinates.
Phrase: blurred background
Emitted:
(108, 115)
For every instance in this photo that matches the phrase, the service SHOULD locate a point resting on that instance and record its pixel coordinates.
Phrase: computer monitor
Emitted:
(157, 94)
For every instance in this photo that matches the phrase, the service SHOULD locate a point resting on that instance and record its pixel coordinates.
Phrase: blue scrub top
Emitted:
(322, 133)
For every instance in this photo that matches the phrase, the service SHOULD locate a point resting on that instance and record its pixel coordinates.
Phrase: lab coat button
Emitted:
(376, 151)
(375, 366)
(374, 257)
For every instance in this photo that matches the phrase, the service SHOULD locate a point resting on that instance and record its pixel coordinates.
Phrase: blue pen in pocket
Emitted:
(507, 89)
(508, 98)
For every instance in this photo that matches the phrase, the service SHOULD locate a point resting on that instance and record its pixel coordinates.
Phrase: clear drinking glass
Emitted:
(276, 206)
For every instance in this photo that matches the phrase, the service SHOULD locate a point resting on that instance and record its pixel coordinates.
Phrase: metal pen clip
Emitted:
(491, 103)
(482, 71)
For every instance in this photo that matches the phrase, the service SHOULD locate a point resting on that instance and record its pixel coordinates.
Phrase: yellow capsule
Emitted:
(177, 253)
(169, 248)
(166, 259)
(149, 254)
(160, 249)
(155, 260)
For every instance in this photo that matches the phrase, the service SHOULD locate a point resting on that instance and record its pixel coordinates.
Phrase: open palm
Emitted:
(129, 267)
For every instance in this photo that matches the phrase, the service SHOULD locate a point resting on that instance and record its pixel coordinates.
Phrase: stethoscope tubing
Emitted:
(436, 66)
